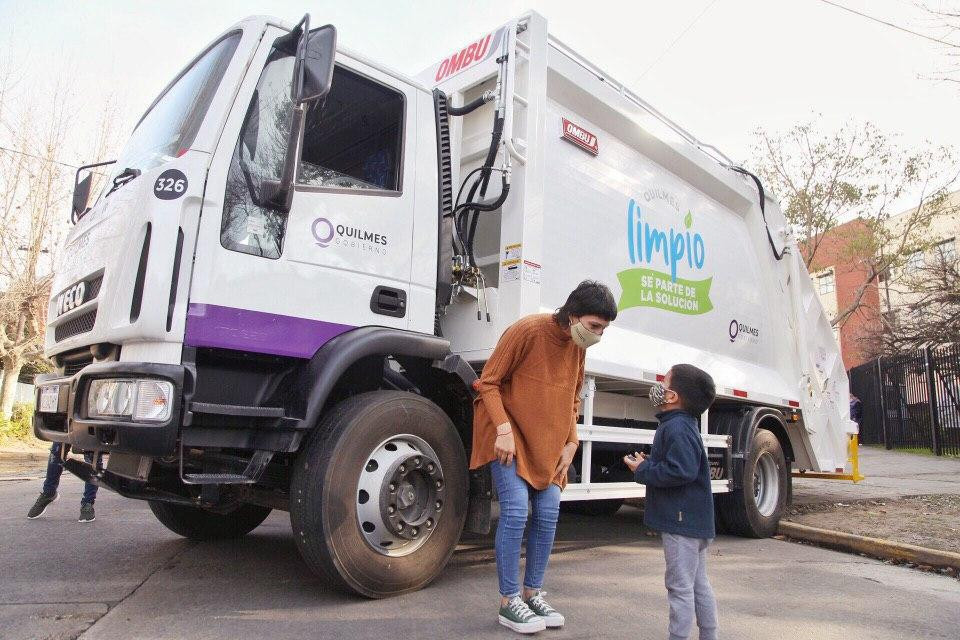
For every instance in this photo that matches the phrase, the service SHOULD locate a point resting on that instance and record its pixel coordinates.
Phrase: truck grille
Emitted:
(73, 366)
(94, 287)
(81, 324)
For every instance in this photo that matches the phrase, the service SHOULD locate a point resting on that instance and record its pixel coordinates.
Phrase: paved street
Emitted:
(125, 577)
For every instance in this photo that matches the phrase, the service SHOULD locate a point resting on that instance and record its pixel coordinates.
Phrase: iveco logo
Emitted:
(71, 298)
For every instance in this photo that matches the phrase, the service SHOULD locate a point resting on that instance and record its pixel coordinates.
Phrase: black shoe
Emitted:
(86, 512)
(41, 505)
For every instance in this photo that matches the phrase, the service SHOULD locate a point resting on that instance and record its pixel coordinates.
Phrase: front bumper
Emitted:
(70, 424)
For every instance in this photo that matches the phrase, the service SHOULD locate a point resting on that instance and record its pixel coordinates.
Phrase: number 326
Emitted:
(169, 184)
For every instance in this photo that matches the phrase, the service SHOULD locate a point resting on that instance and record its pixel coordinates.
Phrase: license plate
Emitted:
(50, 399)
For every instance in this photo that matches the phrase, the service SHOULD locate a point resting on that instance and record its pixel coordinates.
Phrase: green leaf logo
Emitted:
(688, 220)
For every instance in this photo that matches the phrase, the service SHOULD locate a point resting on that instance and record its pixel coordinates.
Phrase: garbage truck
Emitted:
(301, 260)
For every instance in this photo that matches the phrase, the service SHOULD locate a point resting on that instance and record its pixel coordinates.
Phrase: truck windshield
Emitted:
(170, 125)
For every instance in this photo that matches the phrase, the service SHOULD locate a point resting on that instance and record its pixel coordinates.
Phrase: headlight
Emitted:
(111, 398)
(154, 398)
(146, 400)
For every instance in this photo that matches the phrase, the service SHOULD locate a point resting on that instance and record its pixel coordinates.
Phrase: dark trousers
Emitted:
(55, 470)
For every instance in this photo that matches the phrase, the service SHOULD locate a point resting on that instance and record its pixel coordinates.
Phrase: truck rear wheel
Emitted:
(378, 496)
(199, 524)
(754, 510)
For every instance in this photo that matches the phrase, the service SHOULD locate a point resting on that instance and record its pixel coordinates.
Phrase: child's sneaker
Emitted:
(41, 505)
(87, 513)
(517, 616)
(539, 606)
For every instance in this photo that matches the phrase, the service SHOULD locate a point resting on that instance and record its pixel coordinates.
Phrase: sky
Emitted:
(720, 68)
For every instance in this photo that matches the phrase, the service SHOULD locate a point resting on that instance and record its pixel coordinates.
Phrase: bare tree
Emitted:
(926, 305)
(945, 16)
(825, 178)
(34, 189)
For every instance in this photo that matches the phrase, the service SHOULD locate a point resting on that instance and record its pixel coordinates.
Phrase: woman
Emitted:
(525, 428)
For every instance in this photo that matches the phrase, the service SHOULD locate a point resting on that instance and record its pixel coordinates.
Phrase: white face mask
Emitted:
(658, 395)
(583, 336)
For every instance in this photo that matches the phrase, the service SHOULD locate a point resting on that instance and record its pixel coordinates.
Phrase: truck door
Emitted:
(284, 283)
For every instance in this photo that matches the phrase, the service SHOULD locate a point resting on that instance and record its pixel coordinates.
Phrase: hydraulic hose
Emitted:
(473, 213)
(459, 219)
(470, 106)
(763, 213)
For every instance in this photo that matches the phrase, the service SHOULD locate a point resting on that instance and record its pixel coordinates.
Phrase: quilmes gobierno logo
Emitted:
(322, 232)
(664, 251)
(326, 233)
(741, 330)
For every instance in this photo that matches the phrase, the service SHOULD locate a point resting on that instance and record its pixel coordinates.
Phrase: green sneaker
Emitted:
(517, 616)
(41, 505)
(539, 606)
(86, 512)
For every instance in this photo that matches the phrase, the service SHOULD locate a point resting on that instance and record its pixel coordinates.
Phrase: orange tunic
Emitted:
(532, 381)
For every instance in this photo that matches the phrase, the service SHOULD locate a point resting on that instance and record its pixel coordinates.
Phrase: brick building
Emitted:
(838, 271)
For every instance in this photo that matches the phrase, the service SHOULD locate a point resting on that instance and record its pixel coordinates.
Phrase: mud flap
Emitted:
(479, 506)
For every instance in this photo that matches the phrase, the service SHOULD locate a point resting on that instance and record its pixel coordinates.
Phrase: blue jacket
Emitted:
(677, 475)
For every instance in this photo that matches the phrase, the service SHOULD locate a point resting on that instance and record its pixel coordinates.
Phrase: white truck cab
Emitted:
(302, 258)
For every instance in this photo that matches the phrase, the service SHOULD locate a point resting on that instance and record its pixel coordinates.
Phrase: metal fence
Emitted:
(911, 400)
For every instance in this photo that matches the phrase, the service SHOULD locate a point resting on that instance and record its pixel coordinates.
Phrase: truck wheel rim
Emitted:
(766, 485)
(399, 496)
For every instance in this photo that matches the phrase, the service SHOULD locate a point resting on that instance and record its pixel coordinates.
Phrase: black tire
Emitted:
(739, 510)
(592, 507)
(324, 488)
(719, 523)
(199, 524)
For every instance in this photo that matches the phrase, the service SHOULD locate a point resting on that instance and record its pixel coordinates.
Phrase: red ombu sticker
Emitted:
(471, 55)
(580, 137)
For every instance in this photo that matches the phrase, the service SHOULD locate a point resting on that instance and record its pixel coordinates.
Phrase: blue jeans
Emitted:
(55, 469)
(514, 493)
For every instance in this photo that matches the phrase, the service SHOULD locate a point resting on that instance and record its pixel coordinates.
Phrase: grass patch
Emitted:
(920, 451)
(19, 428)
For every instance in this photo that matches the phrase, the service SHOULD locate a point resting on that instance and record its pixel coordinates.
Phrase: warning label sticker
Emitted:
(510, 270)
(512, 251)
(531, 272)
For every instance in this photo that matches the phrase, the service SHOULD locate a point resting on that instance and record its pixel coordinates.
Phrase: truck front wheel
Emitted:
(378, 496)
(199, 524)
(754, 510)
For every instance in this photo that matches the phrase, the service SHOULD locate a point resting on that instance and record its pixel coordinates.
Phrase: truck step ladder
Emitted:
(255, 468)
(588, 432)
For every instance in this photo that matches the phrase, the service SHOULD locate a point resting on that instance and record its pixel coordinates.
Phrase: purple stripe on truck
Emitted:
(210, 325)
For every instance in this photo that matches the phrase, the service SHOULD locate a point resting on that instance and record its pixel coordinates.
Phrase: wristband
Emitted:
(508, 431)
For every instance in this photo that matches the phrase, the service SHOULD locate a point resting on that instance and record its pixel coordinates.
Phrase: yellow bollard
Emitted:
(854, 448)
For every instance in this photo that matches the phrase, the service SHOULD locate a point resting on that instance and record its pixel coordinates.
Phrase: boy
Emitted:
(49, 493)
(679, 501)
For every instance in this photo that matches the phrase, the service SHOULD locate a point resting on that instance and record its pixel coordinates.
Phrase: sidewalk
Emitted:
(906, 499)
(889, 474)
(23, 461)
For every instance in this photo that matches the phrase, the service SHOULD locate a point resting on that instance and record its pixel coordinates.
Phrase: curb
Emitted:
(22, 456)
(875, 547)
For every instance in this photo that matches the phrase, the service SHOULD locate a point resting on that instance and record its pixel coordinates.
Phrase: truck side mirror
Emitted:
(313, 75)
(81, 195)
(319, 53)
(81, 190)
